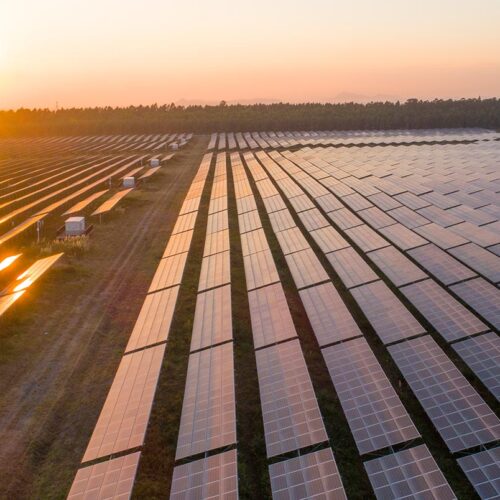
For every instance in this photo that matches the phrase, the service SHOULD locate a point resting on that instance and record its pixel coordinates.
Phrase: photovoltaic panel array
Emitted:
(292, 419)
(483, 471)
(375, 414)
(111, 479)
(124, 417)
(208, 419)
(459, 414)
(314, 475)
(411, 473)
(212, 477)
(450, 318)
(482, 355)
(388, 316)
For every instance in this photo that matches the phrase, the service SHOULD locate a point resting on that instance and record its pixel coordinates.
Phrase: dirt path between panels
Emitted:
(60, 349)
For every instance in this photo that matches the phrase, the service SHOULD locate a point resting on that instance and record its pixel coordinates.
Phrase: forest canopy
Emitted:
(412, 114)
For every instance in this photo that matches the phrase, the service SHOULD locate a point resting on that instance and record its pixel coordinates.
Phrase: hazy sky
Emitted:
(120, 52)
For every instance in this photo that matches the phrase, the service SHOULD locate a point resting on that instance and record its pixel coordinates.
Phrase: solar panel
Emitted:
(291, 415)
(376, 217)
(242, 188)
(398, 268)
(249, 221)
(306, 269)
(253, 242)
(245, 204)
(185, 222)
(450, 318)
(483, 297)
(388, 316)
(219, 189)
(356, 202)
(214, 477)
(213, 318)
(260, 269)
(313, 219)
(384, 201)
(374, 412)
(153, 324)
(281, 220)
(274, 203)
(208, 419)
(217, 222)
(169, 272)
(270, 316)
(411, 473)
(124, 417)
(442, 217)
(441, 264)
(351, 268)
(216, 243)
(301, 203)
(314, 475)
(215, 271)
(111, 479)
(408, 217)
(178, 243)
(482, 236)
(344, 218)
(442, 237)
(482, 355)
(328, 202)
(292, 240)
(329, 239)
(217, 205)
(481, 260)
(411, 201)
(330, 319)
(366, 238)
(402, 237)
(483, 471)
(458, 413)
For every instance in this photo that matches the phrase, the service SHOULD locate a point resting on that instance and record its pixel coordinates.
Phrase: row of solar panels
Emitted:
(92, 144)
(123, 421)
(208, 419)
(390, 319)
(256, 140)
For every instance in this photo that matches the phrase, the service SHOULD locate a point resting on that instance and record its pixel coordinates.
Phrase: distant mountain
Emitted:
(201, 102)
(351, 97)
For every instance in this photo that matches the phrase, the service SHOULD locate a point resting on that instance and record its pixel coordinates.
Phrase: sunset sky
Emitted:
(120, 52)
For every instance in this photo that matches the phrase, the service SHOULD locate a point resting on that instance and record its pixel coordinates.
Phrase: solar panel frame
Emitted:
(388, 316)
(213, 322)
(155, 319)
(396, 266)
(483, 471)
(373, 410)
(124, 417)
(482, 297)
(169, 272)
(270, 316)
(449, 318)
(351, 268)
(208, 419)
(305, 268)
(410, 473)
(313, 475)
(211, 477)
(458, 413)
(215, 271)
(111, 479)
(292, 419)
(482, 356)
(260, 269)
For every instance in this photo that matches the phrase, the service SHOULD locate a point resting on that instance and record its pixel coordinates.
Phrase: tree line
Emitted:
(412, 114)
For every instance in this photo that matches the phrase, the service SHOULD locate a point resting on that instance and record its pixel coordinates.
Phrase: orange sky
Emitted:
(111, 52)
